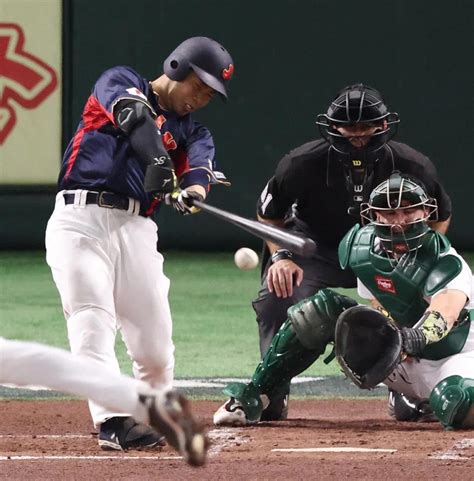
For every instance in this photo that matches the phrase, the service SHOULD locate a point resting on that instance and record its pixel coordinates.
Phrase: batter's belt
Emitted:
(108, 200)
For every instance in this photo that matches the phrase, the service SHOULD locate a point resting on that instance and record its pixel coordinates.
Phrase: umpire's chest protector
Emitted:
(402, 288)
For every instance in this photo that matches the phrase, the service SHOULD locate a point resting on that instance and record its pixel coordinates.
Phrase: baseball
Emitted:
(246, 259)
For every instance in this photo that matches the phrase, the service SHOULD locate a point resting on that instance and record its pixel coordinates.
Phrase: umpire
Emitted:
(317, 190)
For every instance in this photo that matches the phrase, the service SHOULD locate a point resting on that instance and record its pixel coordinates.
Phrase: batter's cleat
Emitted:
(121, 433)
(170, 414)
(407, 409)
(231, 413)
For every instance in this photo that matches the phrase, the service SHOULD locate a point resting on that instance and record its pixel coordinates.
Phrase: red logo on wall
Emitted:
(385, 284)
(24, 79)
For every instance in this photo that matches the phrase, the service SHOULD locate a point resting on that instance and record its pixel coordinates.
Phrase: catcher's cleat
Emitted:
(170, 414)
(407, 409)
(231, 413)
(120, 433)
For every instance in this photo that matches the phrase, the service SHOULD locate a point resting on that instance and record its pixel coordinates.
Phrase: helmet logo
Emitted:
(227, 72)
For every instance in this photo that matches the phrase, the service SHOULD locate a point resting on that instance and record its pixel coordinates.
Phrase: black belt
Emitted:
(109, 200)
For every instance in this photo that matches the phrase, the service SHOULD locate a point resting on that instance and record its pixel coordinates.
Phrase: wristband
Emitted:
(433, 326)
(281, 254)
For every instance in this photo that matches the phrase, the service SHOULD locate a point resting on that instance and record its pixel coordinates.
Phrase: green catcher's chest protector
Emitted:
(402, 287)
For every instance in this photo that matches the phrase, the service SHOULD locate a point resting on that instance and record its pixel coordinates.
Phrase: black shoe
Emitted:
(119, 433)
(170, 413)
(407, 409)
(277, 410)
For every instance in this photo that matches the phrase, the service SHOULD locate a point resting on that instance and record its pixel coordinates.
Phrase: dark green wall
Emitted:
(291, 57)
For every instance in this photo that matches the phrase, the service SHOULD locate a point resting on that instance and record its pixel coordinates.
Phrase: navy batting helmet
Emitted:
(356, 104)
(210, 61)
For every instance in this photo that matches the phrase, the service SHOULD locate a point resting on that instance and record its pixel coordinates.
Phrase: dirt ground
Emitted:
(349, 440)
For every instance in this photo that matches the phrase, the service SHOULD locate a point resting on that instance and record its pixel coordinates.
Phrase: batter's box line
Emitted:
(87, 458)
(335, 449)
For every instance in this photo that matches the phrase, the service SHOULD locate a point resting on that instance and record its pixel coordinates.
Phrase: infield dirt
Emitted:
(362, 428)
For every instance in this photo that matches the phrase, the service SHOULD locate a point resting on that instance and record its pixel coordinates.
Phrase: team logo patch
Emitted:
(168, 141)
(385, 284)
(25, 80)
(227, 72)
(160, 120)
(136, 92)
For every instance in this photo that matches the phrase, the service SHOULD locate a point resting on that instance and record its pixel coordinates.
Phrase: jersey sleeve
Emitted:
(280, 192)
(463, 281)
(119, 83)
(200, 166)
(363, 291)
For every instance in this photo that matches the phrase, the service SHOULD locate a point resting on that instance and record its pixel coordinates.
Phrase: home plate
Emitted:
(334, 450)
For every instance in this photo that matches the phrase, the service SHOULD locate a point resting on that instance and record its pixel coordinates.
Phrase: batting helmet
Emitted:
(210, 61)
(400, 192)
(357, 104)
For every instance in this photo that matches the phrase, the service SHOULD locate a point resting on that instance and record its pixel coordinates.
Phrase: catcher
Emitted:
(419, 341)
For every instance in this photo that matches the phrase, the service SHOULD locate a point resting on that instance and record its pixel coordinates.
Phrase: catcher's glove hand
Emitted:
(182, 201)
(368, 345)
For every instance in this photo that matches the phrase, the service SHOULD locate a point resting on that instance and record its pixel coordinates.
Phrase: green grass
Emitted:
(214, 324)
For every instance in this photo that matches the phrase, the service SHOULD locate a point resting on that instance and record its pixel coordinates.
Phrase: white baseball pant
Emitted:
(32, 364)
(110, 276)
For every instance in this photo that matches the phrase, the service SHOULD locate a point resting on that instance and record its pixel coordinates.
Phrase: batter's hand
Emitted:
(181, 201)
(282, 276)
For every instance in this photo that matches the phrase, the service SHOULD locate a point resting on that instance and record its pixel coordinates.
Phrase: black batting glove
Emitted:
(182, 201)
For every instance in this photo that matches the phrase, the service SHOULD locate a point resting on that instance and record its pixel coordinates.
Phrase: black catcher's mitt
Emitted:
(368, 345)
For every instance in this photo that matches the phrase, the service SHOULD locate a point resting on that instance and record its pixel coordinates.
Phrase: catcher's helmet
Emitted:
(210, 61)
(357, 104)
(400, 192)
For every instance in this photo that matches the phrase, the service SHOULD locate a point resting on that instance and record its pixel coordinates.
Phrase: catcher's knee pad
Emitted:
(314, 318)
(452, 401)
(249, 396)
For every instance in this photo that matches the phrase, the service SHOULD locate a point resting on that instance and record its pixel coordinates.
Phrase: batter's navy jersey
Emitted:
(100, 157)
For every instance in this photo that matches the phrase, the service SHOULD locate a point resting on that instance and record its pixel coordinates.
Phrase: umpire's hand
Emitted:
(282, 276)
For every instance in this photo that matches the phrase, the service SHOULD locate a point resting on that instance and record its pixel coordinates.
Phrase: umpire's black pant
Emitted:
(320, 271)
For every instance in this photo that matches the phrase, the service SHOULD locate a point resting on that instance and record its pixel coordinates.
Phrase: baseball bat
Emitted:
(300, 245)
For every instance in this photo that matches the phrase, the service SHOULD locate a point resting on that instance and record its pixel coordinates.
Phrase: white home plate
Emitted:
(334, 450)
(456, 451)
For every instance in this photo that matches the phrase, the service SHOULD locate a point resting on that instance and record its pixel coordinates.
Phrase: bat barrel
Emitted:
(298, 244)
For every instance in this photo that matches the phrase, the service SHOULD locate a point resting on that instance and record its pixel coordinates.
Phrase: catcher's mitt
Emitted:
(368, 345)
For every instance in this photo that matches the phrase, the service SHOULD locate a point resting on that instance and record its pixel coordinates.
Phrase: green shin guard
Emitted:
(285, 358)
(300, 341)
(452, 401)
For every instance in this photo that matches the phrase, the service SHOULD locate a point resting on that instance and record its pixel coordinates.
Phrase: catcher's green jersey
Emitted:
(403, 288)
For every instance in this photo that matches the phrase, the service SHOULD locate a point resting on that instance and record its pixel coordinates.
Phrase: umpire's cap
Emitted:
(210, 61)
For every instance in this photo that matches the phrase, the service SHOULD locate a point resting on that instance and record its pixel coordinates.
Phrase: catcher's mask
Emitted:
(363, 106)
(368, 345)
(400, 193)
(357, 104)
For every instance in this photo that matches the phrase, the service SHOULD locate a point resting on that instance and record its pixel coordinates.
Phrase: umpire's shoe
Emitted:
(407, 409)
(119, 433)
(277, 410)
(170, 414)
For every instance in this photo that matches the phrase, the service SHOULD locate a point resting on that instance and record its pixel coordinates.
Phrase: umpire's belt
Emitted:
(109, 200)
